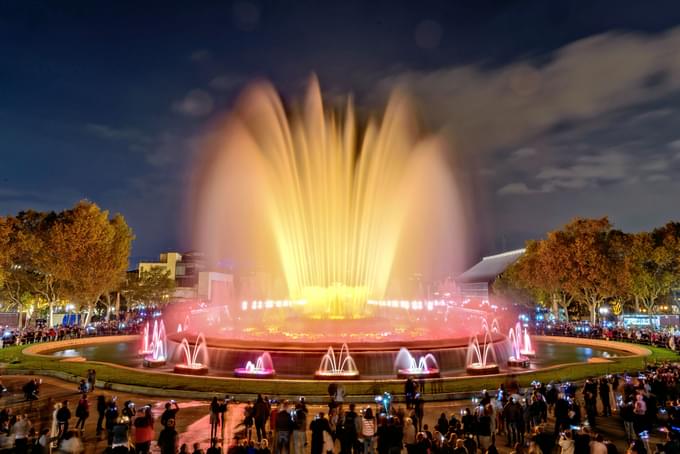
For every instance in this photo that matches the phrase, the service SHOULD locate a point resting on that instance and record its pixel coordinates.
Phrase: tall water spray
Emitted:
(333, 207)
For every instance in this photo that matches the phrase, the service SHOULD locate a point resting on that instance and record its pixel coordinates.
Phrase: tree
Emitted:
(93, 253)
(584, 255)
(152, 287)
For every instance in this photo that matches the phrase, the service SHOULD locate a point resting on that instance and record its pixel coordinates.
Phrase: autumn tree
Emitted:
(152, 287)
(584, 252)
(93, 251)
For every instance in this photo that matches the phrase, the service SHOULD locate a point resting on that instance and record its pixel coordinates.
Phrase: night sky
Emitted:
(553, 109)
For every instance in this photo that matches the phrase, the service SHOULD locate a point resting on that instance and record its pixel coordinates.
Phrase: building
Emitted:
(192, 277)
(475, 283)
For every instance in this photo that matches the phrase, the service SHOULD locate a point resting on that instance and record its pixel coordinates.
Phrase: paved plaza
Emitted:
(193, 423)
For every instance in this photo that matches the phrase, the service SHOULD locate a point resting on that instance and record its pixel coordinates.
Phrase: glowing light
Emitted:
(331, 204)
(341, 366)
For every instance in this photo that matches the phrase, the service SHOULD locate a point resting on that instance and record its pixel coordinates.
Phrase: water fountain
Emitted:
(494, 328)
(342, 367)
(527, 349)
(191, 366)
(263, 368)
(481, 358)
(407, 366)
(517, 359)
(147, 346)
(159, 353)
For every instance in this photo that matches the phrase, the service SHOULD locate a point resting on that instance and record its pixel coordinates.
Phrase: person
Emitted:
(214, 419)
(111, 417)
(409, 392)
(63, 417)
(20, 430)
(248, 419)
(604, 392)
(101, 411)
(197, 449)
(91, 379)
(460, 447)
(171, 410)
(566, 443)
(299, 429)
(82, 386)
(349, 434)
(409, 432)
(597, 446)
(42, 447)
(319, 427)
(82, 412)
(284, 427)
(184, 449)
(260, 416)
(483, 428)
(419, 407)
(442, 424)
(71, 444)
(167, 439)
(368, 430)
(264, 447)
(144, 432)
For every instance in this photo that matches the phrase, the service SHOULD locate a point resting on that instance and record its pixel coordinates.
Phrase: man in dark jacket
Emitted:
(260, 415)
(284, 427)
(318, 426)
(63, 416)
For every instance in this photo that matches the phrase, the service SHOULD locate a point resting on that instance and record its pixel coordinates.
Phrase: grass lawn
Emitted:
(13, 358)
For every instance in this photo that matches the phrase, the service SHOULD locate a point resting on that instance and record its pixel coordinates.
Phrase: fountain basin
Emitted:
(149, 361)
(479, 369)
(518, 362)
(243, 372)
(418, 373)
(336, 375)
(193, 369)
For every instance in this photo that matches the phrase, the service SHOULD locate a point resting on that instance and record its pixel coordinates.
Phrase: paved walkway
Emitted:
(193, 422)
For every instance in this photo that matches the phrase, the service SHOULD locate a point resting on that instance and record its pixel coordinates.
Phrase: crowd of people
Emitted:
(665, 338)
(42, 333)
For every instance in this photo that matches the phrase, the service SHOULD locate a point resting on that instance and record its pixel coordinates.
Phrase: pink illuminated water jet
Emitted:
(263, 368)
(158, 356)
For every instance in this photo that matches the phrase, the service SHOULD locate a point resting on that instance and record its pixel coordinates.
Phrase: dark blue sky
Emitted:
(556, 109)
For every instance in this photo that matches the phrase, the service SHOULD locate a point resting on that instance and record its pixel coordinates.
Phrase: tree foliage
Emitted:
(152, 287)
(77, 254)
(588, 262)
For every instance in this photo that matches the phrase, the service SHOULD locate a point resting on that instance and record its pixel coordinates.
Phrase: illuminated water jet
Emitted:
(334, 208)
(147, 343)
(481, 358)
(407, 366)
(517, 359)
(159, 353)
(342, 367)
(263, 368)
(191, 366)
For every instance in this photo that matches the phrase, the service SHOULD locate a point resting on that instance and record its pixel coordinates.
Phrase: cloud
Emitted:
(227, 82)
(515, 189)
(522, 153)
(610, 165)
(486, 108)
(656, 165)
(657, 177)
(196, 103)
(200, 55)
(675, 145)
(112, 133)
(651, 115)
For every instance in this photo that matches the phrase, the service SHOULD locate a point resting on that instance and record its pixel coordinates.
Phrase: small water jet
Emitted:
(527, 349)
(159, 349)
(407, 366)
(342, 367)
(517, 359)
(191, 366)
(481, 358)
(263, 368)
(147, 345)
(494, 328)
